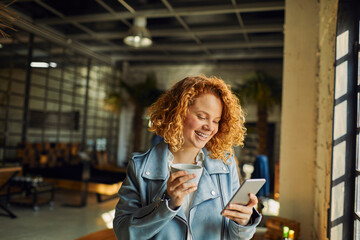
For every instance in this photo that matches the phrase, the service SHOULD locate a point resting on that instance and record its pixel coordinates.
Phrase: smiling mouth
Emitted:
(202, 135)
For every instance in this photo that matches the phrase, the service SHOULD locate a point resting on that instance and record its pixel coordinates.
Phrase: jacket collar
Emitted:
(156, 163)
(214, 166)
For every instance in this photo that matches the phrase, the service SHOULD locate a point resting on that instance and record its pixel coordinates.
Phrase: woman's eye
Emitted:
(200, 117)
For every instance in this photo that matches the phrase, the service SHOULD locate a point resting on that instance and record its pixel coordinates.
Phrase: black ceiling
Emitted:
(183, 31)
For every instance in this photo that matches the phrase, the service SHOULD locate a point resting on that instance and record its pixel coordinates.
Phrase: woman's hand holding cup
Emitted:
(178, 187)
(183, 180)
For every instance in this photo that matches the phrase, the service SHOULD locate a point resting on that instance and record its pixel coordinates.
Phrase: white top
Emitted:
(188, 198)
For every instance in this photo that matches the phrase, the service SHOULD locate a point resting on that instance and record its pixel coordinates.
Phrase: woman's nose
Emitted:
(209, 126)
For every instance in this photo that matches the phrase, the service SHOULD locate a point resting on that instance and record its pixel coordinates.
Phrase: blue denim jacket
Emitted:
(142, 212)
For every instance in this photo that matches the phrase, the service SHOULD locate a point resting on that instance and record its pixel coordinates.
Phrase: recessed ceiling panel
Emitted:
(213, 20)
(266, 36)
(217, 38)
(32, 9)
(76, 7)
(265, 17)
(67, 29)
(106, 26)
(195, 3)
(163, 23)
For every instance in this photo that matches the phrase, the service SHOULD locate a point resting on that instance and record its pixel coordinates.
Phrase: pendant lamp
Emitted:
(138, 35)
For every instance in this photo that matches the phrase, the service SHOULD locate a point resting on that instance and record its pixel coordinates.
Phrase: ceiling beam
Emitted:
(177, 47)
(25, 23)
(160, 47)
(60, 15)
(186, 27)
(181, 33)
(163, 13)
(111, 11)
(193, 47)
(192, 58)
(240, 20)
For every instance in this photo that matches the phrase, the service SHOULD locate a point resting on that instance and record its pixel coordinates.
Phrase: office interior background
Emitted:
(86, 97)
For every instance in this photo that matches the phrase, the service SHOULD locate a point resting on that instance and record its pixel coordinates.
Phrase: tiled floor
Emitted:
(59, 222)
(63, 223)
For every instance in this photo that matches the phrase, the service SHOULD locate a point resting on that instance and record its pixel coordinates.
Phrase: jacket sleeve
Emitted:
(236, 230)
(244, 232)
(132, 219)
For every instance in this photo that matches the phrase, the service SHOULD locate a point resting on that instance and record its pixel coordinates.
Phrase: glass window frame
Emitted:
(348, 20)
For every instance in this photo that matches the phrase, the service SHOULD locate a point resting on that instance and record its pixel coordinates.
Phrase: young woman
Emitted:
(200, 121)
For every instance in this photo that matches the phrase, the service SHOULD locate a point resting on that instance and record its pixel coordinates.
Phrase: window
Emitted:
(39, 105)
(344, 214)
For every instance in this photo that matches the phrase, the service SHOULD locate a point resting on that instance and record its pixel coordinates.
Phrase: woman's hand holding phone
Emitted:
(240, 207)
(240, 213)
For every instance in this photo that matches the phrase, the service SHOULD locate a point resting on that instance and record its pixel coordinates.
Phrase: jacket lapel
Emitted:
(207, 189)
(156, 170)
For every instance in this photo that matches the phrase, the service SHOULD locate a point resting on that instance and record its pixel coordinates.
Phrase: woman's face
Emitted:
(202, 121)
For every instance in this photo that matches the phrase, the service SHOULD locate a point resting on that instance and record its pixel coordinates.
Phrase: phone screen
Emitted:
(241, 196)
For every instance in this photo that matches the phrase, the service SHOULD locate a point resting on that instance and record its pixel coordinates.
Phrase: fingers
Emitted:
(243, 220)
(175, 175)
(179, 179)
(240, 208)
(179, 174)
(253, 200)
(190, 190)
(178, 196)
(178, 187)
(182, 187)
(240, 213)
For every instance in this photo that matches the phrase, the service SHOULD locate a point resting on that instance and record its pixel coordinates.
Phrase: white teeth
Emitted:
(202, 135)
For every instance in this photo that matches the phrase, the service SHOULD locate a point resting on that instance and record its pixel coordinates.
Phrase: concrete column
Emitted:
(299, 113)
(326, 42)
(307, 114)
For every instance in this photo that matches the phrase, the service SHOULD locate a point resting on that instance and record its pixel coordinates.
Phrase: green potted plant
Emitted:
(142, 94)
(112, 101)
(265, 91)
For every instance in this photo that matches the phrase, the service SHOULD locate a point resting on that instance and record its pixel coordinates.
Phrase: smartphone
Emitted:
(241, 196)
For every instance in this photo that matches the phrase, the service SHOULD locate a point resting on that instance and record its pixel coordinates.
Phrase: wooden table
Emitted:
(106, 234)
(10, 169)
(13, 170)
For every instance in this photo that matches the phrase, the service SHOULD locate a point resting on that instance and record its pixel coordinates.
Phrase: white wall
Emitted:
(232, 73)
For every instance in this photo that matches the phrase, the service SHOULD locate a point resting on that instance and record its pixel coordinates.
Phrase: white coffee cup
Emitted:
(190, 169)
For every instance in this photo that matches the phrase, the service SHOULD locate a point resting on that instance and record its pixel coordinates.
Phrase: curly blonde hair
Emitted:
(167, 115)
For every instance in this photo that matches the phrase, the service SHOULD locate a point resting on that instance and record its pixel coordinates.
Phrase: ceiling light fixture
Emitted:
(138, 35)
(43, 64)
